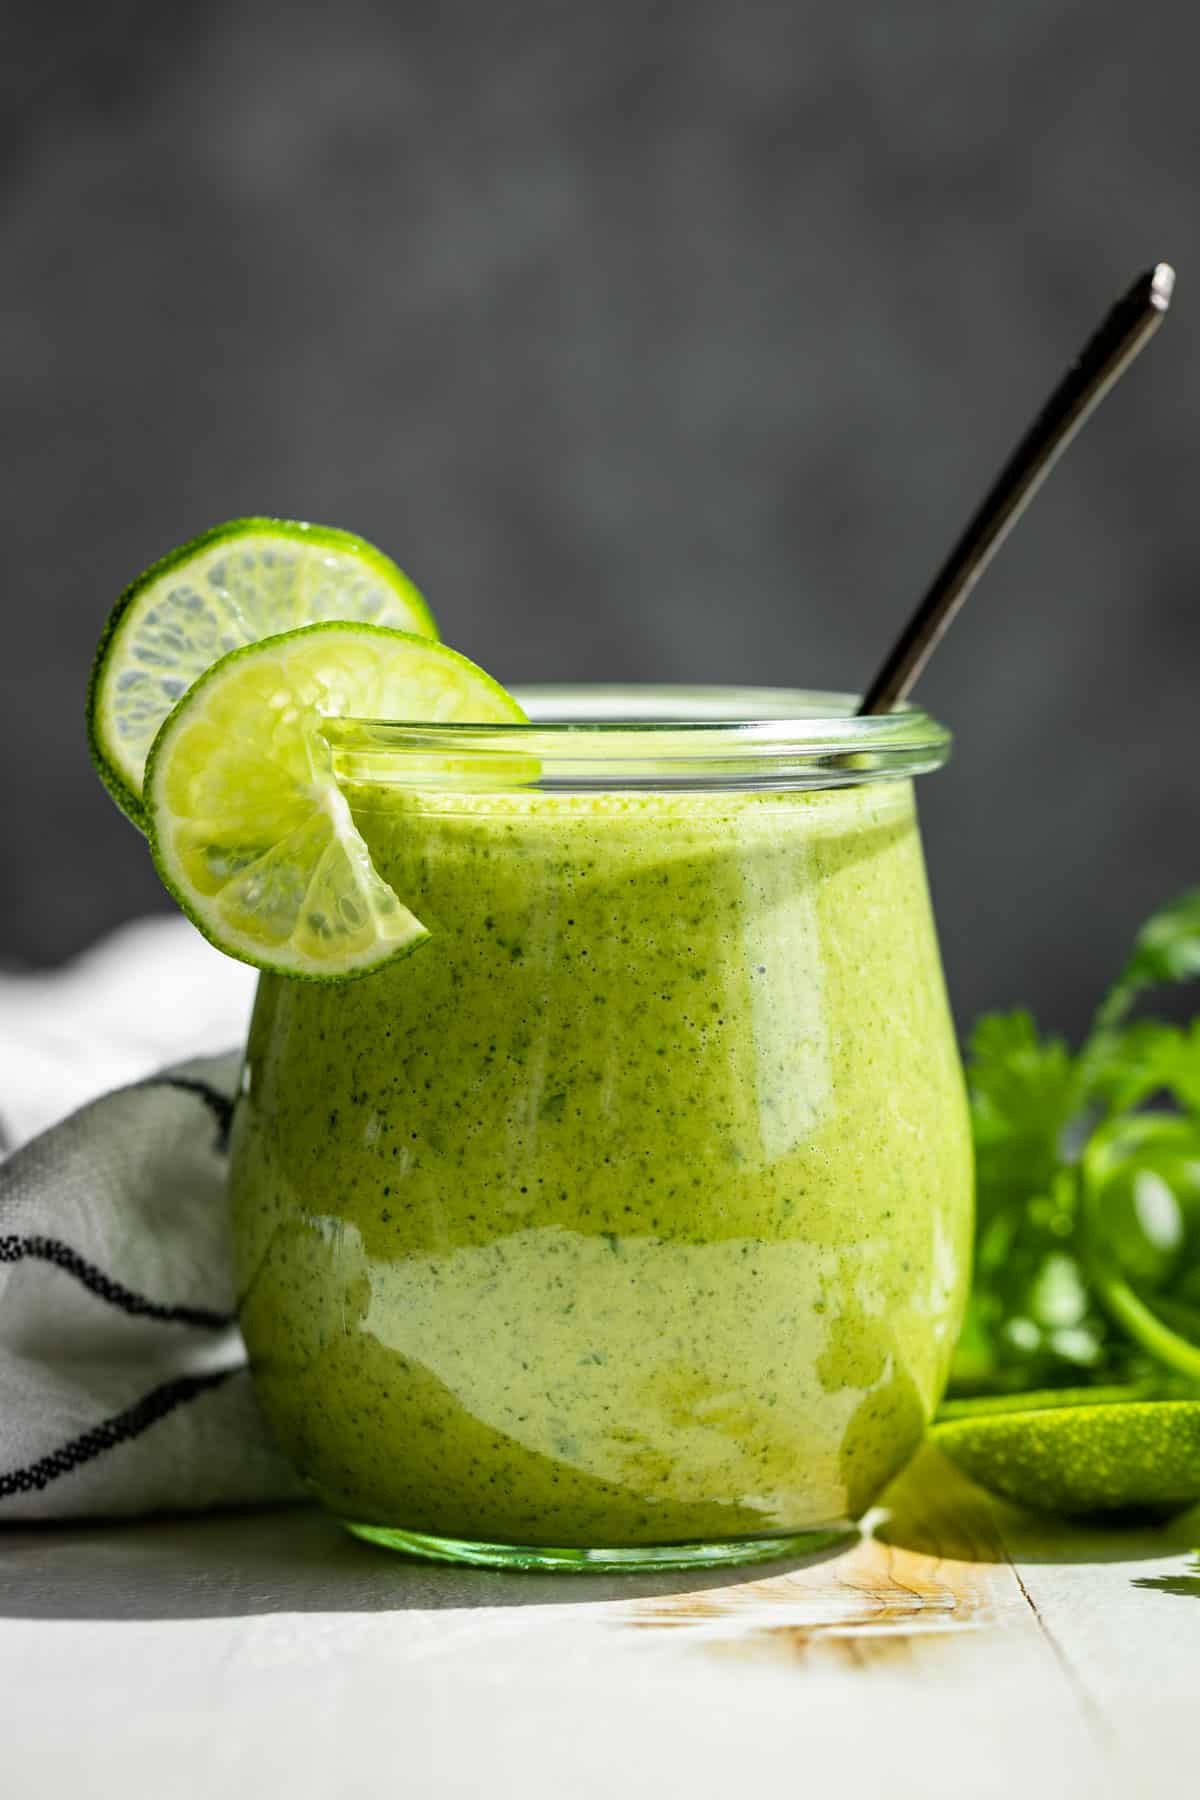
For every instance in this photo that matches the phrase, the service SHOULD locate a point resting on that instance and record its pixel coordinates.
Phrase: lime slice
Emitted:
(1080, 1451)
(249, 830)
(235, 585)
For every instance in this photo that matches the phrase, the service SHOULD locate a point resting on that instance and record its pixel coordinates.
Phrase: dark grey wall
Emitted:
(671, 341)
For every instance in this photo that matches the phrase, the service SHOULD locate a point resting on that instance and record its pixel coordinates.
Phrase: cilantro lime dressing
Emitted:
(632, 1207)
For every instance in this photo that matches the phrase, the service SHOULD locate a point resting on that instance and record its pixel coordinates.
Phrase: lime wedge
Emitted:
(235, 585)
(248, 828)
(1079, 1452)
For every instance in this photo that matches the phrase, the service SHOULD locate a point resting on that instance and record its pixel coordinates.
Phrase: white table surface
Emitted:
(958, 1649)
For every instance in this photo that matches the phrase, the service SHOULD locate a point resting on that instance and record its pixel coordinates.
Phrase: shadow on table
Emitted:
(935, 1510)
(1185, 1586)
(292, 1559)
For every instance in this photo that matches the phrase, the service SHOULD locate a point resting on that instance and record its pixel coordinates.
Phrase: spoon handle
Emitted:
(1102, 361)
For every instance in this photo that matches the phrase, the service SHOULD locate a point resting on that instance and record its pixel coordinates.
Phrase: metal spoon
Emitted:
(1103, 360)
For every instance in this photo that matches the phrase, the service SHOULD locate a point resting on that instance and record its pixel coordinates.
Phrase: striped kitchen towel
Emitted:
(123, 1381)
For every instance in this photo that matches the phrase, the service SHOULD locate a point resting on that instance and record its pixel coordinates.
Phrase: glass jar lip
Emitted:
(652, 737)
(798, 715)
(644, 735)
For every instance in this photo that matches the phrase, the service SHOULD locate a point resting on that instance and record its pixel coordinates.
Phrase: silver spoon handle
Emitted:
(1102, 361)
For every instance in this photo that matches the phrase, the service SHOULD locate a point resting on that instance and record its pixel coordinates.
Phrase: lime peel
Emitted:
(236, 584)
(1079, 1452)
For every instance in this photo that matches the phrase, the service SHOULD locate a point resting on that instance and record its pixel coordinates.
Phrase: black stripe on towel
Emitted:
(218, 1104)
(111, 1432)
(51, 1250)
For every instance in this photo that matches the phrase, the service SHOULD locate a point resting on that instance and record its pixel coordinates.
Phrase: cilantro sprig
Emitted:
(1087, 1250)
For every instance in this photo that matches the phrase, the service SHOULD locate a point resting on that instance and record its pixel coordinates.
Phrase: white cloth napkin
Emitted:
(123, 1382)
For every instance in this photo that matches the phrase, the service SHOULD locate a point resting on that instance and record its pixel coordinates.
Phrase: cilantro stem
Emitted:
(1123, 1303)
(1144, 1326)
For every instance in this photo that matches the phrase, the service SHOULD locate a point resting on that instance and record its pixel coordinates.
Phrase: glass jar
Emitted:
(627, 1220)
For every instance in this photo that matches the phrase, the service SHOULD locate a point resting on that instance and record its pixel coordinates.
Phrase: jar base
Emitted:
(723, 1553)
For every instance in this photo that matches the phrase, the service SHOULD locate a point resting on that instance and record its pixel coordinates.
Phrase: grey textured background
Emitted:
(668, 341)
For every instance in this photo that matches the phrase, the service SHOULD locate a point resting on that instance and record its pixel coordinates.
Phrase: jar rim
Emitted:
(643, 735)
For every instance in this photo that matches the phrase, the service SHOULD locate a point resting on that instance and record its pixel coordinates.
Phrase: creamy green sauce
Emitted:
(634, 1206)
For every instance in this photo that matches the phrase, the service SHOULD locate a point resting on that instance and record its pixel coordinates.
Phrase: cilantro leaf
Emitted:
(1029, 1309)
(1166, 950)
(1024, 1093)
(1124, 1069)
